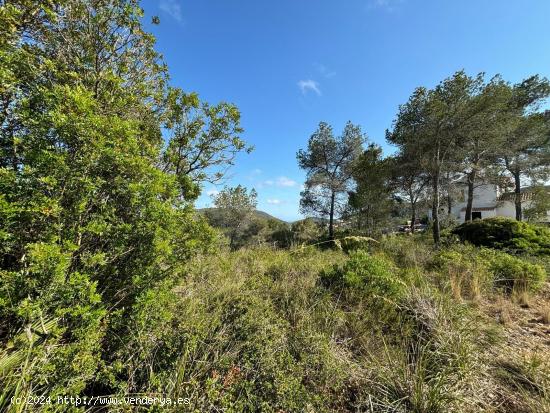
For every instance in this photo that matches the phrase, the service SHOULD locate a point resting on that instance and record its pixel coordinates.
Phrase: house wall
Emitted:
(507, 209)
(484, 214)
(485, 196)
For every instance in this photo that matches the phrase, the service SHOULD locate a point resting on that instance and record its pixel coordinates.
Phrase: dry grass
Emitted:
(456, 279)
(504, 312)
(545, 314)
(521, 297)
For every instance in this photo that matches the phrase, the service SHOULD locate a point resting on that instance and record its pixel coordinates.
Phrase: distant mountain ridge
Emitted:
(257, 214)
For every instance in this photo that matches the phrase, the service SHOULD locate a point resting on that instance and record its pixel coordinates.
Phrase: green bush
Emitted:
(407, 251)
(371, 275)
(471, 271)
(506, 234)
(513, 273)
(353, 243)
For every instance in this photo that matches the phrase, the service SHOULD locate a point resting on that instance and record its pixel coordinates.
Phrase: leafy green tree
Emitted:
(480, 135)
(409, 181)
(328, 162)
(525, 148)
(305, 231)
(539, 203)
(430, 124)
(279, 233)
(101, 45)
(236, 206)
(370, 203)
(94, 231)
(204, 138)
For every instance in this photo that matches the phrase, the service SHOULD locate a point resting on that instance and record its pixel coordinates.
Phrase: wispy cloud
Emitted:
(212, 192)
(324, 70)
(274, 201)
(281, 181)
(284, 181)
(172, 8)
(309, 86)
(388, 5)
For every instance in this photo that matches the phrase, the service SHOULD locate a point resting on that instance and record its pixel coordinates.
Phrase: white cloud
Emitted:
(254, 174)
(281, 181)
(212, 192)
(274, 201)
(172, 8)
(325, 71)
(284, 181)
(309, 85)
(389, 5)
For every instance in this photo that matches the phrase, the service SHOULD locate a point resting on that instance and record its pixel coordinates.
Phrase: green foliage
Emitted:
(539, 205)
(306, 231)
(467, 272)
(108, 283)
(354, 243)
(371, 275)
(244, 339)
(429, 367)
(468, 126)
(96, 229)
(407, 251)
(514, 273)
(506, 234)
(205, 138)
(370, 203)
(236, 207)
(279, 234)
(329, 162)
(471, 271)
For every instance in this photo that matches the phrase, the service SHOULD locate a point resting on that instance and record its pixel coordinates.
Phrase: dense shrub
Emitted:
(407, 251)
(507, 234)
(371, 275)
(471, 271)
(354, 243)
(513, 273)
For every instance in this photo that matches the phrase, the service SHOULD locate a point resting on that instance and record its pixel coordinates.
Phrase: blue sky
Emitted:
(288, 64)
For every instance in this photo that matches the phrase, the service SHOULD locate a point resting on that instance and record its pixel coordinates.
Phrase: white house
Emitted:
(490, 201)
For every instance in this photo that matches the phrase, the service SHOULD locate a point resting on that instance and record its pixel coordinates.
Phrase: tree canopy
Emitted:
(329, 162)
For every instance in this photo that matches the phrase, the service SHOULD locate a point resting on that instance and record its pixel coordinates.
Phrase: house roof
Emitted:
(525, 193)
(479, 209)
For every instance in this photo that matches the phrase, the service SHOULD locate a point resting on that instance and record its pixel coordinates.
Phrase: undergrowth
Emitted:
(395, 328)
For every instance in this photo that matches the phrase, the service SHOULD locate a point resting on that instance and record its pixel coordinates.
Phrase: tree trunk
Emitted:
(470, 200)
(331, 217)
(413, 216)
(435, 209)
(517, 198)
(232, 237)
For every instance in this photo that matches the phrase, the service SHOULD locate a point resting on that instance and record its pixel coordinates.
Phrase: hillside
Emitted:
(257, 214)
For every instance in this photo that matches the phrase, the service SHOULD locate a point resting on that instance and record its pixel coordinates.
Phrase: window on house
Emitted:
(476, 215)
